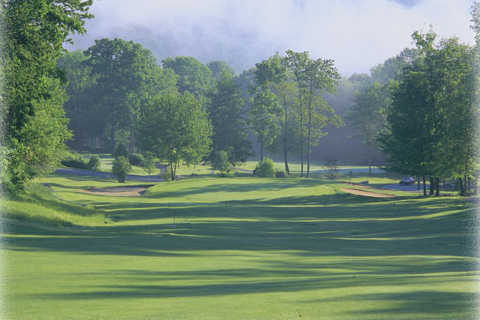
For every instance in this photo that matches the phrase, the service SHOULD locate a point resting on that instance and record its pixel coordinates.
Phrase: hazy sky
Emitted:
(357, 34)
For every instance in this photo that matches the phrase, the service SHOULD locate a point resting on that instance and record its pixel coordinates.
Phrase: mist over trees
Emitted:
(415, 113)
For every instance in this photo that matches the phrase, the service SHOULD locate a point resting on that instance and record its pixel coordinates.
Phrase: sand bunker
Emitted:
(367, 193)
(123, 191)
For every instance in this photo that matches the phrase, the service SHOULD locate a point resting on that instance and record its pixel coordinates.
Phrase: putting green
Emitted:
(237, 248)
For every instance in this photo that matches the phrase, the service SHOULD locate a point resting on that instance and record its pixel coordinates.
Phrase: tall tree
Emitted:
(175, 127)
(127, 76)
(35, 124)
(264, 113)
(227, 114)
(431, 121)
(314, 77)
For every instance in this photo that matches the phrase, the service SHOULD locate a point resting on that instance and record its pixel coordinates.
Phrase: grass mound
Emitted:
(40, 205)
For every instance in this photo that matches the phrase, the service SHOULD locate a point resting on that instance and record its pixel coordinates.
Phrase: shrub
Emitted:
(120, 151)
(136, 159)
(279, 174)
(265, 168)
(167, 174)
(77, 163)
(120, 168)
(94, 163)
(149, 163)
(220, 161)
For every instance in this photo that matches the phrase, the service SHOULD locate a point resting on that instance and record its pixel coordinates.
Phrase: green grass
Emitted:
(242, 248)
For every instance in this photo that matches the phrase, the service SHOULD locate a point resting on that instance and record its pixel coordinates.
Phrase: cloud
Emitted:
(356, 34)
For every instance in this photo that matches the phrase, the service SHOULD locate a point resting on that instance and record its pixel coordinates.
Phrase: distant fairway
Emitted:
(239, 249)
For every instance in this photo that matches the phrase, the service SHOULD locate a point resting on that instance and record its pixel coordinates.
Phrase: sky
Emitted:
(357, 34)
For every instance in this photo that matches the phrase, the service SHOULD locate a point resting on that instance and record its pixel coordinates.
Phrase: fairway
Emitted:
(238, 248)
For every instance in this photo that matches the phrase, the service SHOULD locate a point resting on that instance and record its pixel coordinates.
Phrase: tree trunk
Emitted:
(309, 137)
(285, 138)
(432, 185)
(437, 187)
(301, 144)
(418, 182)
(465, 190)
(112, 138)
(261, 150)
(172, 172)
(460, 184)
(424, 187)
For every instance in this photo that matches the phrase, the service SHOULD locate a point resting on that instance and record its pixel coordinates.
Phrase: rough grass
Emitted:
(245, 248)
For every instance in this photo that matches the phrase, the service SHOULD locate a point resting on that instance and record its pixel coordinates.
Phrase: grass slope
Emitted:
(244, 248)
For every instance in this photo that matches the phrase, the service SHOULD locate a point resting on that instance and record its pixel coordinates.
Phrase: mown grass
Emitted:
(245, 248)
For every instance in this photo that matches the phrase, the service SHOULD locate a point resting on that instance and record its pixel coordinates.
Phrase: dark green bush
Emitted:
(120, 168)
(94, 163)
(77, 163)
(136, 159)
(220, 162)
(120, 151)
(265, 168)
(279, 174)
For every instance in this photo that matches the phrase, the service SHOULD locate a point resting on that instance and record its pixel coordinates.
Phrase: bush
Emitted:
(120, 151)
(265, 168)
(136, 159)
(149, 163)
(167, 174)
(120, 168)
(94, 163)
(77, 163)
(220, 161)
(279, 174)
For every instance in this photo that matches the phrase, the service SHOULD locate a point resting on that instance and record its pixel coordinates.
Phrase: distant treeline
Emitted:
(416, 111)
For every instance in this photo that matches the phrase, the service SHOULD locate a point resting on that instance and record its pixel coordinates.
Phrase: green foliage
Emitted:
(77, 163)
(192, 75)
(265, 168)
(263, 117)
(120, 168)
(431, 124)
(136, 159)
(279, 174)
(121, 151)
(220, 161)
(149, 162)
(175, 127)
(226, 110)
(126, 77)
(35, 124)
(220, 69)
(94, 163)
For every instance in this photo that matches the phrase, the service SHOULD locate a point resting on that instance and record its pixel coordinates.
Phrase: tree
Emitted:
(127, 76)
(226, 110)
(274, 74)
(313, 77)
(176, 128)
(219, 68)
(35, 123)
(431, 122)
(264, 113)
(192, 75)
(120, 168)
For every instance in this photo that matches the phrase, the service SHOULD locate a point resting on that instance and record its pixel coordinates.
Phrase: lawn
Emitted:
(237, 248)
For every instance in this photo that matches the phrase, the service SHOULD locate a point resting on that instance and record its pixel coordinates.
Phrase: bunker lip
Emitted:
(367, 193)
(122, 191)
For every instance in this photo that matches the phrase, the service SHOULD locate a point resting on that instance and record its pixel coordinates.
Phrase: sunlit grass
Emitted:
(241, 248)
